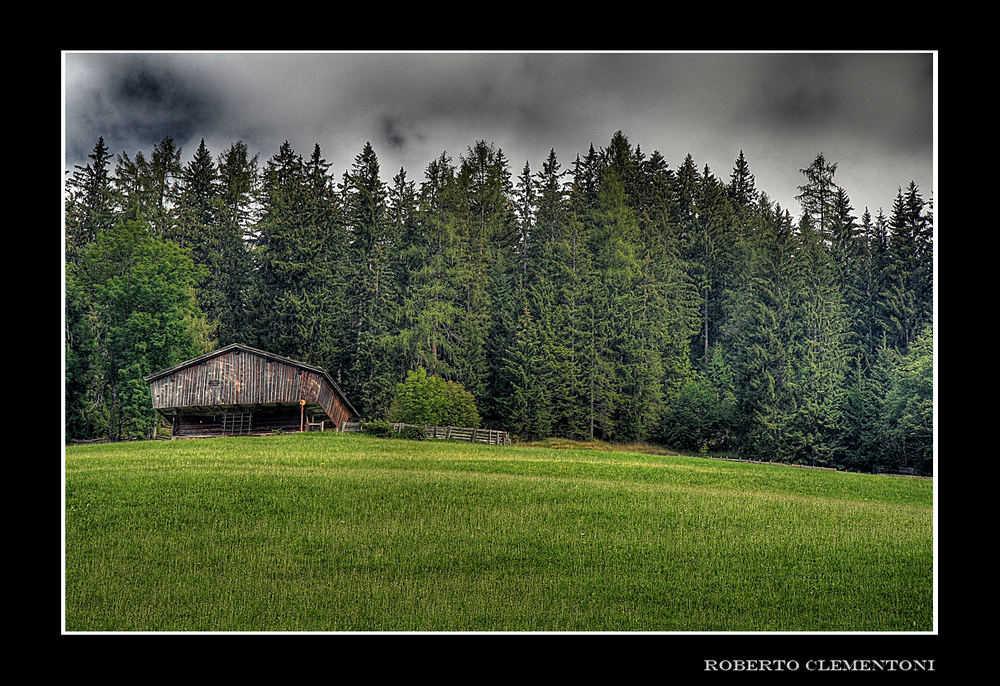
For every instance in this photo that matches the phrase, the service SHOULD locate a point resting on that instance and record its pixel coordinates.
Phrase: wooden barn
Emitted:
(239, 390)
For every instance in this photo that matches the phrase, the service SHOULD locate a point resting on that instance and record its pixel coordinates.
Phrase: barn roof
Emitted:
(255, 351)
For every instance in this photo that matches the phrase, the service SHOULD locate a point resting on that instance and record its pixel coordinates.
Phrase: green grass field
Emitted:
(345, 532)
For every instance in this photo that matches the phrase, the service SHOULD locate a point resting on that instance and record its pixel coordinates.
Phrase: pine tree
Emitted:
(742, 187)
(818, 195)
(196, 228)
(431, 310)
(713, 257)
(373, 300)
(625, 343)
(131, 185)
(550, 220)
(848, 252)
(818, 352)
(147, 190)
(859, 441)
(907, 419)
(862, 295)
(165, 170)
(89, 201)
(320, 259)
(238, 179)
(197, 206)
(907, 292)
(402, 201)
(528, 406)
(685, 205)
(484, 215)
(524, 208)
(761, 322)
(274, 245)
(555, 297)
(579, 385)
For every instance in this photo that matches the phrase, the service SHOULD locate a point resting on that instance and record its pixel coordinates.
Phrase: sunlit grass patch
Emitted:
(342, 532)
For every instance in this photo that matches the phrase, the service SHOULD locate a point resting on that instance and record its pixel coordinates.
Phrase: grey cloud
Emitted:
(391, 133)
(134, 103)
(883, 100)
(870, 112)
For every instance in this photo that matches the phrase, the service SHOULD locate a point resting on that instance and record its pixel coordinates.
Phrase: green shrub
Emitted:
(426, 399)
(377, 427)
(415, 433)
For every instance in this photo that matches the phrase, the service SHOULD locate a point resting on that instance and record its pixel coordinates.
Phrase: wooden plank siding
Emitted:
(241, 377)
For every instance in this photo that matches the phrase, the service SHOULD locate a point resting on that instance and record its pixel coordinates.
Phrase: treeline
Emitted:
(614, 298)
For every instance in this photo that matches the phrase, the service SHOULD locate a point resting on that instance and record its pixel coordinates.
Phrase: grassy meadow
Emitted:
(346, 532)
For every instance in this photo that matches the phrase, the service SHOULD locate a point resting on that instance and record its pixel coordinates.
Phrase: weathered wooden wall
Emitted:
(241, 377)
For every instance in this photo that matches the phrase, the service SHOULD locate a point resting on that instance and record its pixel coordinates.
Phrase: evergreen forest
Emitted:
(610, 296)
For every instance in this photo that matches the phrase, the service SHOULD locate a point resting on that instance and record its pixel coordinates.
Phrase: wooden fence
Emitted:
(457, 433)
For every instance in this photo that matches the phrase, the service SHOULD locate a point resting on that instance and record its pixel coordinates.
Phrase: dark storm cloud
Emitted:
(884, 99)
(135, 101)
(870, 113)
(391, 132)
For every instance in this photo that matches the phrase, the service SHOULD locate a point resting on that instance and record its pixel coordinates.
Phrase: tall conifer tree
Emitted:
(373, 300)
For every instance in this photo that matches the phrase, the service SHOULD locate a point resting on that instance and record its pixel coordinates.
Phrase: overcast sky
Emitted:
(870, 113)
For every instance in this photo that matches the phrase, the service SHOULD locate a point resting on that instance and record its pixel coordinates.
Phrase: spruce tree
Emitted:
(818, 195)
(373, 300)
(89, 201)
(132, 182)
(625, 343)
(238, 179)
(431, 310)
(275, 235)
(528, 405)
(907, 288)
(907, 420)
(742, 187)
(165, 171)
(197, 207)
(859, 441)
(817, 345)
(761, 321)
(524, 208)
(484, 216)
(863, 293)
